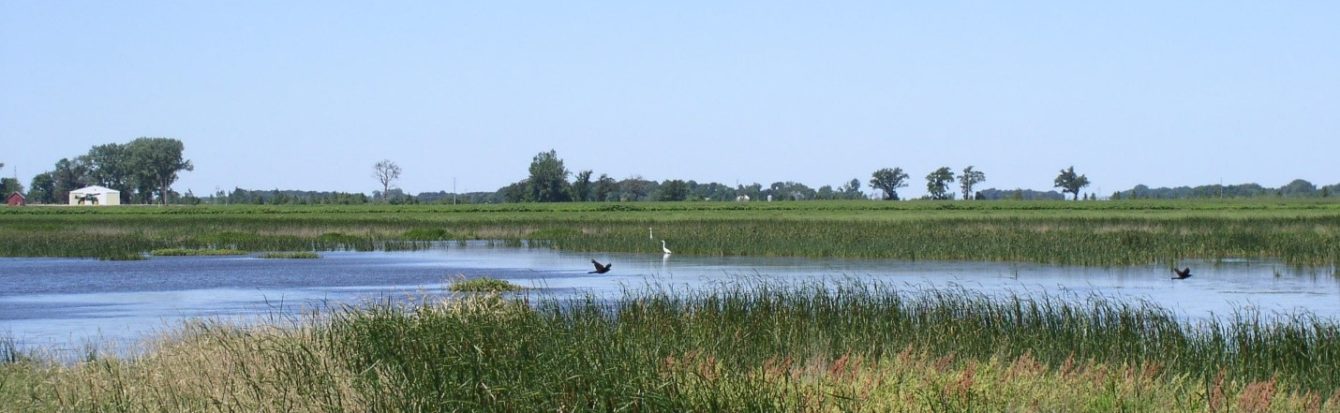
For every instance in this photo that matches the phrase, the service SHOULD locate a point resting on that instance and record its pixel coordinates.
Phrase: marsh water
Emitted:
(71, 304)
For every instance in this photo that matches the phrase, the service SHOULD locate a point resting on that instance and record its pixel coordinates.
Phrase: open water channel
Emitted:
(61, 305)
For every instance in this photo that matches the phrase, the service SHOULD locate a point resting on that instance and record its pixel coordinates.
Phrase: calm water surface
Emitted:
(66, 304)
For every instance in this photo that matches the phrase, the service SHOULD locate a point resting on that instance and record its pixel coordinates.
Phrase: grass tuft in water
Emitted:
(291, 255)
(191, 252)
(122, 256)
(483, 285)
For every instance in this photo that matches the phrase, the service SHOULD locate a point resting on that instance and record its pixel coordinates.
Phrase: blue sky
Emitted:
(308, 95)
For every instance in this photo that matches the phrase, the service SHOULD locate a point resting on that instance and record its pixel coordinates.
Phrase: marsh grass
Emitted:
(122, 256)
(430, 234)
(291, 255)
(1301, 232)
(483, 285)
(193, 252)
(756, 347)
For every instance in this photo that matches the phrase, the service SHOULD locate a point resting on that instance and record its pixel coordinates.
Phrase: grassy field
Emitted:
(1305, 232)
(742, 348)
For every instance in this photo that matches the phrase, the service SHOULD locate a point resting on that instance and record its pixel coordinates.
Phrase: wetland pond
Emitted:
(67, 305)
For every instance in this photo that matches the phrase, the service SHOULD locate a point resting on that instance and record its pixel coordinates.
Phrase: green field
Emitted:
(1303, 232)
(860, 347)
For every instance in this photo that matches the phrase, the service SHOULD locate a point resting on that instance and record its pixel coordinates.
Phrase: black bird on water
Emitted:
(1181, 274)
(600, 268)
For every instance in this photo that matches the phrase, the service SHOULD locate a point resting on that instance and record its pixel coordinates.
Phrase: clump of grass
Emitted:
(9, 351)
(191, 252)
(122, 256)
(291, 255)
(483, 285)
(341, 238)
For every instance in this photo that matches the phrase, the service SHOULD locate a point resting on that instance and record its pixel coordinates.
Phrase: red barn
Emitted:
(15, 199)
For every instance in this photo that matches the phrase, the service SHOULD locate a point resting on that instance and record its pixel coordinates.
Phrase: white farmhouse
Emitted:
(95, 195)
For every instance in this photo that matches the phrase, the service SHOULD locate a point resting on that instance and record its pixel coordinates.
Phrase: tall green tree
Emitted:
(937, 183)
(9, 186)
(790, 191)
(889, 180)
(157, 161)
(548, 180)
(635, 188)
(112, 166)
(42, 190)
(852, 190)
(605, 187)
(1070, 182)
(969, 179)
(581, 186)
(714, 191)
(1299, 188)
(69, 175)
(514, 192)
(825, 192)
(673, 190)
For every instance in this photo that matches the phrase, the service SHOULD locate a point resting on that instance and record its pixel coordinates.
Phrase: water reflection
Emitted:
(64, 303)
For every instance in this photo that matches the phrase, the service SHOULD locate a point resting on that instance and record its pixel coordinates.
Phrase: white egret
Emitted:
(663, 248)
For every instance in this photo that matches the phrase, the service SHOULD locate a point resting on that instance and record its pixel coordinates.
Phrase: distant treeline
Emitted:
(281, 197)
(1299, 188)
(638, 189)
(994, 194)
(145, 169)
(606, 189)
(625, 190)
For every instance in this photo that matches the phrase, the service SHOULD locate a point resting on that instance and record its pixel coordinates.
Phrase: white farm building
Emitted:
(95, 195)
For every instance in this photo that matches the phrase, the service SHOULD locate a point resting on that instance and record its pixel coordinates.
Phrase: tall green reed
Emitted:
(731, 347)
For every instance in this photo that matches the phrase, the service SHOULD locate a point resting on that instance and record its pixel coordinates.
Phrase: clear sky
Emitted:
(308, 95)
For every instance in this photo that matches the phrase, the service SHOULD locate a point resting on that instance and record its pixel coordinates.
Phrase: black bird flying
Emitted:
(1182, 274)
(601, 268)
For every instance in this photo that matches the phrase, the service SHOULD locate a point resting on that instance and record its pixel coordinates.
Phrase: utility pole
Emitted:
(453, 190)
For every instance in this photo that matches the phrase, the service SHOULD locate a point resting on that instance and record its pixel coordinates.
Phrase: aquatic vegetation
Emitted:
(122, 256)
(483, 285)
(1302, 232)
(305, 255)
(431, 234)
(863, 347)
(192, 252)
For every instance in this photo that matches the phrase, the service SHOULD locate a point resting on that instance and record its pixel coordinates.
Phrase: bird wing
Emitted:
(596, 263)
